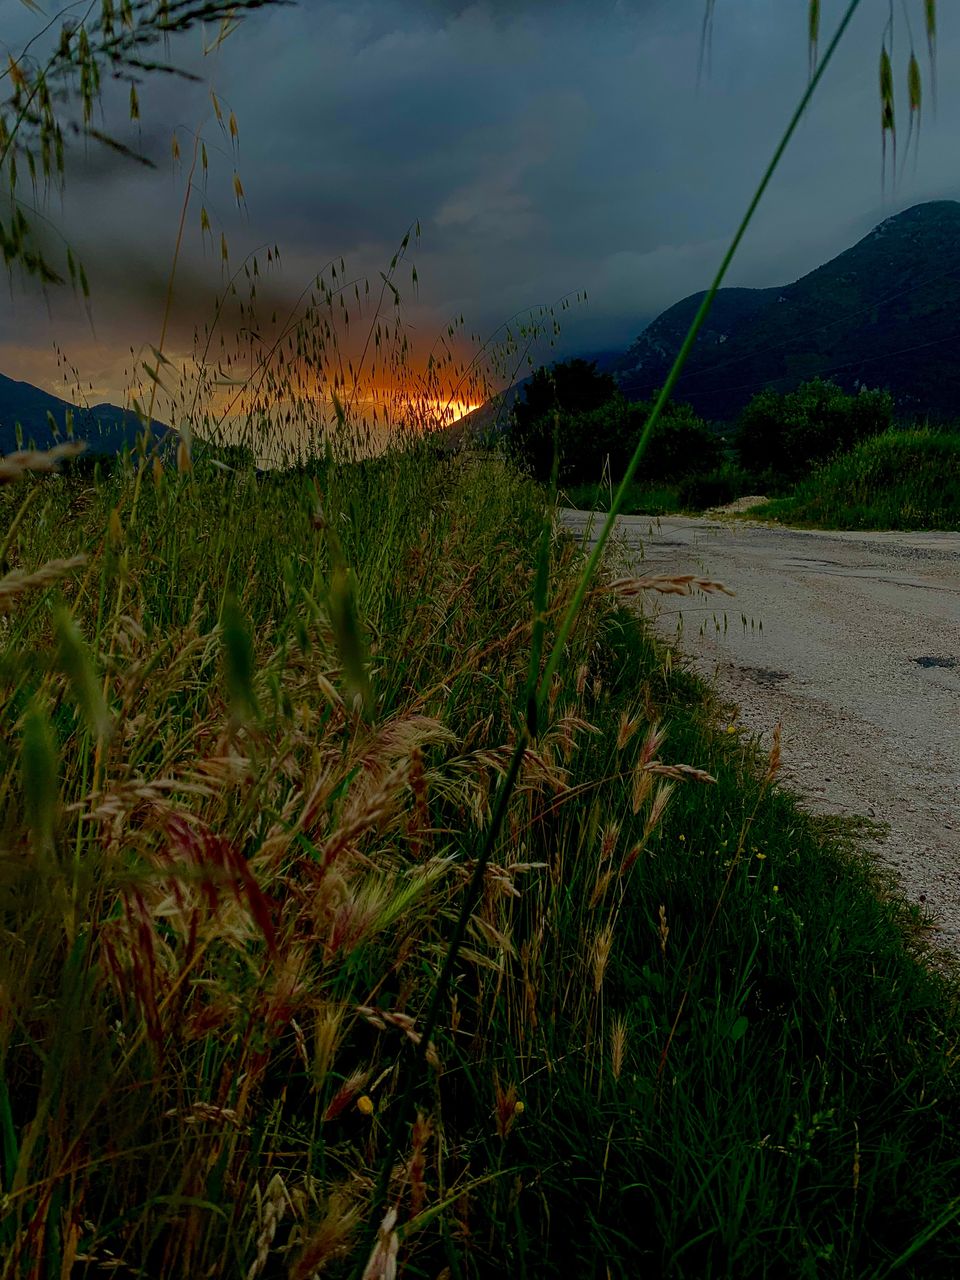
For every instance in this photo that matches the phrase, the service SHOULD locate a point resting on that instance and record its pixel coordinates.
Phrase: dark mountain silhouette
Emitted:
(106, 428)
(885, 313)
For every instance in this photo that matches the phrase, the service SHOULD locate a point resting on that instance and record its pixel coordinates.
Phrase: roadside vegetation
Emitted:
(828, 458)
(254, 740)
(376, 893)
(907, 479)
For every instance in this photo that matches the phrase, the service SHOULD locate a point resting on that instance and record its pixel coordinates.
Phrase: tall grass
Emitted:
(682, 1034)
(906, 479)
(651, 498)
(354, 911)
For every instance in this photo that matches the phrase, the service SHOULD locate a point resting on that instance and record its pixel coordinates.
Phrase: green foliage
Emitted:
(694, 492)
(699, 998)
(569, 388)
(595, 430)
(712, 489)
(681, 446)
(779, 437)
(76, 662)
(238, 660)
(729, 1058)
(907, 479)
(645, 498)
(38, 773)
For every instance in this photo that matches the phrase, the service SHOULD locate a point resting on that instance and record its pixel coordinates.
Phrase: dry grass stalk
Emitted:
(642, 786)
(608, 840)
(18, 581)
(628, 727)
(618, 1045)
(495, 938)
(329, 1239)
(15, 465)
(661, 799)
(206, 1111)
(382, 1263)
(507, 1107)
(683, 584)
(418, 822)
(349, 1090)
(422, 1133)
(600, 887)
(652, 743)
(364, 814)
(774, 760)
(602, 944)
(580, 683)
(270, 1209)
(680, 772)
(327, 1029)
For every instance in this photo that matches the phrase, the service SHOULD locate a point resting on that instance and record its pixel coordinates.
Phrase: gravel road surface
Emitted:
(852, 642)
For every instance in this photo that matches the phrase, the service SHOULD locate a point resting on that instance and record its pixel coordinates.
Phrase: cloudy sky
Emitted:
(545, 147)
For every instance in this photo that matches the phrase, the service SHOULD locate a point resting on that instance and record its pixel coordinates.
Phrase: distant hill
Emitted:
(884, 313)
(104, 427)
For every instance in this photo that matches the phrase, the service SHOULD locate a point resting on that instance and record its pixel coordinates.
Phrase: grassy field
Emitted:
(252, 743)
(904, 479)
(643, 498)
(691, 494)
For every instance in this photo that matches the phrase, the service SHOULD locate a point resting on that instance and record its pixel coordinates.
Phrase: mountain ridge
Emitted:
(878, 314)
(106, 428)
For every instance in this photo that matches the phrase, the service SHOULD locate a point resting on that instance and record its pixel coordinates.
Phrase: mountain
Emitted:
(884, 313)
(104, 427)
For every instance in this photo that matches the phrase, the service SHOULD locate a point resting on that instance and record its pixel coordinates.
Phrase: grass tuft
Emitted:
(903, 479)
(688, 1032)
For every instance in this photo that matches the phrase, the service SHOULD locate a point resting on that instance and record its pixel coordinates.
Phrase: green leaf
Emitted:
(738, 1028)
(39, 768)
(238, 660)
(76, 662)
(814, 32)
(348, 634)
(914, 84)
(930, 17)
(886, 77)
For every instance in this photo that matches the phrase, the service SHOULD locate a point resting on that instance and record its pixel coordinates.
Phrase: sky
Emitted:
(545, 147)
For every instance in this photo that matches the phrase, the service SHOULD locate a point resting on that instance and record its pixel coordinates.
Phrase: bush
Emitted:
(572, 387)
(697, 492)
(602, 440)
(681, 446)
(580, 412)
(899, 480)
(779, 436)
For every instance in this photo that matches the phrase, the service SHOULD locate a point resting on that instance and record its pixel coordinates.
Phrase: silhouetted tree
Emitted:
(569, 388)
(779, 437)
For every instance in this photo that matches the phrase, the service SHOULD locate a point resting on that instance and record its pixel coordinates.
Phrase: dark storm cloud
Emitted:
(544, 147)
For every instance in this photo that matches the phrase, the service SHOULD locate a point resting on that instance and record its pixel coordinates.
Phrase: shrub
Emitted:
(781, 436)
(601, 440)
(717, 487)
(571, 387)
(899, 480)
(681, 446)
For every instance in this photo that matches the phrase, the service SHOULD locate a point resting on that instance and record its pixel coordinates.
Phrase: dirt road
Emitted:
(852, 642)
